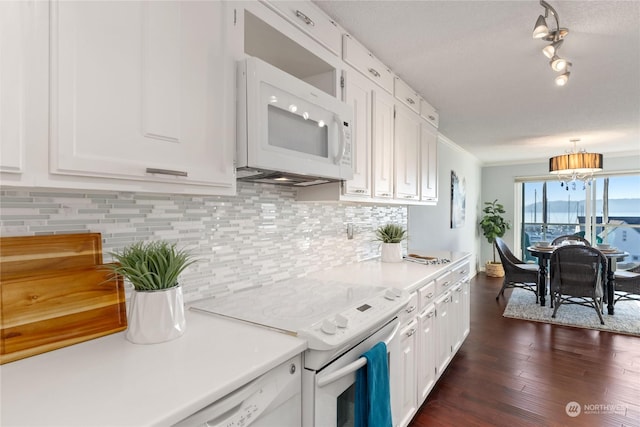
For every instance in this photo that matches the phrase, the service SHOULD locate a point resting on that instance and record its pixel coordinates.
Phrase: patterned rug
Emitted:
(626, 320)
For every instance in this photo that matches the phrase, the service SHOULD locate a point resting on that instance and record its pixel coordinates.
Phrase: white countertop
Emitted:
(402, 275)
(112, 382)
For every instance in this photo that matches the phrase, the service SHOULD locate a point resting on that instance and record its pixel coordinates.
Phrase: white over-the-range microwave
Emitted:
(289, 132)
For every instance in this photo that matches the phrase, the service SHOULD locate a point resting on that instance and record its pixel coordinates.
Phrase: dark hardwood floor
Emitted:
(513, 372)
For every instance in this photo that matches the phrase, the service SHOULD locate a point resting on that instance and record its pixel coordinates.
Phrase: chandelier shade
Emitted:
(575, 164)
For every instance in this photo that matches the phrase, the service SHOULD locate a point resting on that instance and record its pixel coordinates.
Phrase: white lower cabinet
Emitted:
(409, 345)
(433, 334)
(426, 353)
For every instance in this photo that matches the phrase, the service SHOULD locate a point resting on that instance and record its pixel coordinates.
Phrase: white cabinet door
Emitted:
(428, 163)
(358, 93)
(456, 312)
(408, 343)
(383, 108)
(426, 353)
(443, 331)
(466, 309)
(142, 90)
(407, 153)
(23, 84)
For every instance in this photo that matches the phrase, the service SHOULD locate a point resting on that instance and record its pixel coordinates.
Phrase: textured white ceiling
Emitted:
(476, 62)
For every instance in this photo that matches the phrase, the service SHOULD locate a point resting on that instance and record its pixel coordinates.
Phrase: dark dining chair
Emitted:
(573, 237)
(578, 275)
(627, 286)
(517, 274)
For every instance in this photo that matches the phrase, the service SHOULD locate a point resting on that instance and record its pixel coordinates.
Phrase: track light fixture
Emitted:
(542, 31)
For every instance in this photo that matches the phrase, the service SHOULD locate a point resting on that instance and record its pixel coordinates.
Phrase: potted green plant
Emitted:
(156, 308)
(494, 225)
(391, 236)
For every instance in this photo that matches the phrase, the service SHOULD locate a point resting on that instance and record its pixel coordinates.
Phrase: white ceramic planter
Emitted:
(156, 316)
(391, 252)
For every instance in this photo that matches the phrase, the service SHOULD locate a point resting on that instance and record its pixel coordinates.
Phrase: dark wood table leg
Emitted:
(611, 285)
(542, 280)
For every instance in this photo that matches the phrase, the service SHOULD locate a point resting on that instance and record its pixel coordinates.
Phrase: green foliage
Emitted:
(391, 233)
(151, 266)
(492, 223)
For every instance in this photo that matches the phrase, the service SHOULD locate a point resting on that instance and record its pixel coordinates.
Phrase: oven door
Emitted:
(329, 394)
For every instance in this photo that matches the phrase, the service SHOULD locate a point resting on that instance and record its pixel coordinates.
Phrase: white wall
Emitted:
(429, 226)
(498, 183)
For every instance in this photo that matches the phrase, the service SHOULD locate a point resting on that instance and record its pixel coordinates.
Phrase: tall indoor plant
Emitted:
(391, 236)
(156, 309)
(494, 225)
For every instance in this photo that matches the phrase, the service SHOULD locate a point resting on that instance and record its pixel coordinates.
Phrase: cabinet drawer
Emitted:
(313, 21)
(406, 95)
(362, 60)
(429, 113)
(460, 272)
(410, 311)
(445, 282)
(426, 295)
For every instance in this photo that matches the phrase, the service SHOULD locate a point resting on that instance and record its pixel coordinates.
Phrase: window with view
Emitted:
(607, 210)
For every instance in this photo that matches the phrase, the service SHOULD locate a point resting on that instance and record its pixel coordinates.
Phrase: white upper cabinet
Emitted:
(407, 154)
(362, 60)
(359, 94)
(429, 113)
(406, 95)
(313, 21)
(23, 85)
(143, 91)
(383, 123)
(428, 162)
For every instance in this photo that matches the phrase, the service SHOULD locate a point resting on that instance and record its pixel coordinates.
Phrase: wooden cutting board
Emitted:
(55, 292)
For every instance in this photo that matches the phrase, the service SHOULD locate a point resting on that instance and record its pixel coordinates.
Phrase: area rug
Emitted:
(626, 320)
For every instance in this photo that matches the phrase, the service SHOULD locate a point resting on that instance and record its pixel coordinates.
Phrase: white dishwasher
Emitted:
(273, 399)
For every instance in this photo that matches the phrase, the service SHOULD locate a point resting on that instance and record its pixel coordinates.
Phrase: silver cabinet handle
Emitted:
(430, 295)
(430, 315)
(305, 18)
(385, 195)
(374, 72)
(409, 197)
(167, 172)
(411, 101)
(410, 309)
(447, 283)
(431, 117)
(411, 332)
(360, 191)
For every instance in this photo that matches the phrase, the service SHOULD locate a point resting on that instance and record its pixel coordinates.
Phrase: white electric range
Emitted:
(340, 321)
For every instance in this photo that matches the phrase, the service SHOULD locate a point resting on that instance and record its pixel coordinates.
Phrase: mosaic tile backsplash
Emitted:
(260, 236)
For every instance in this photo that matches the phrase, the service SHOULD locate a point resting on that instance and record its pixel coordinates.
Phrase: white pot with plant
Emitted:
(494, 225)
(156, 308)
(391, 236)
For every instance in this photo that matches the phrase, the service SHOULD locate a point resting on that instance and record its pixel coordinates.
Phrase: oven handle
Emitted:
(352, 367)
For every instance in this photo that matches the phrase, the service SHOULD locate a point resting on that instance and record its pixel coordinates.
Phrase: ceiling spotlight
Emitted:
(557, 63)
(550, 50)
(540, 30)
(563, 78)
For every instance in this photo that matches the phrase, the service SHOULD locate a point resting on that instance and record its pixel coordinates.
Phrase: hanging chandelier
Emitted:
(576, 165)
(556, 37)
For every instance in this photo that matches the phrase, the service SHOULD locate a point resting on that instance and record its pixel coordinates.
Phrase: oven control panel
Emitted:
(342, 327)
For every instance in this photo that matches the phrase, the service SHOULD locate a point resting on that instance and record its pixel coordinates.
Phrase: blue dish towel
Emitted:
(373, 399)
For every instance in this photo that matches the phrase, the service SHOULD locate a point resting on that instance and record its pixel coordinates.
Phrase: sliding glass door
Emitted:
(605, 211)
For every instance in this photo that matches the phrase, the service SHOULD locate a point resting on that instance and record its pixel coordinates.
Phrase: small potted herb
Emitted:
(156, 309)
(391, 236)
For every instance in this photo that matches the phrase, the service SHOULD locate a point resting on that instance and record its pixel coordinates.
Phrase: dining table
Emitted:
(543, 253)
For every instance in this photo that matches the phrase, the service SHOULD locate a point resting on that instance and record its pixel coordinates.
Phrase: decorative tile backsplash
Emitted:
(260, 236)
